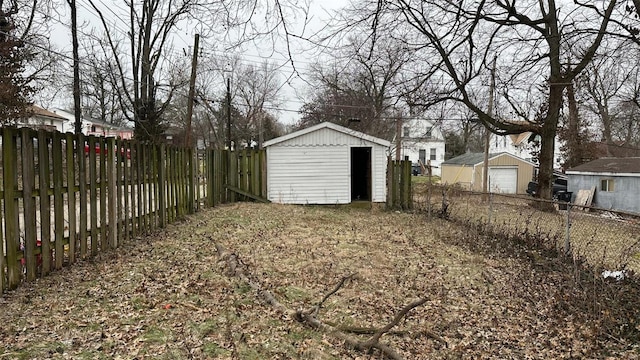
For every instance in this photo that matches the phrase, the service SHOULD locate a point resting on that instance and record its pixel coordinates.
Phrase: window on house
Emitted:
(606, 185)
(432, 154)
(406, 131)
(93, 128)
(428, 134)
(422, 155)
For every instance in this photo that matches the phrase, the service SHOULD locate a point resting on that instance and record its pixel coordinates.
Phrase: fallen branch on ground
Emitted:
(308, 317)
(314, 310)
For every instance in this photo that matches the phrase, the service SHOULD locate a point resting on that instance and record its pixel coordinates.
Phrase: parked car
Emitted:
(559, 185)
(416, 169)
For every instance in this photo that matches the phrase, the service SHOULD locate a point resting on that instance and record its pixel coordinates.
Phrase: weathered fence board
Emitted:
(93, 196)
(11, 207)
(58, 200)
(82, 188)
(28, 203)
(44, 174)
(399, 184)
(69, 197)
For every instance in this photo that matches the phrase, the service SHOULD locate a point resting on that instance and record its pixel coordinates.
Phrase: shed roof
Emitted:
(467, 159)
(38, 111)
(609, 165)
(342, 129)
(478, 158)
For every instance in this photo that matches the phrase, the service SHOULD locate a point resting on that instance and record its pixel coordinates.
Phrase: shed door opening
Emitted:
(361, 173)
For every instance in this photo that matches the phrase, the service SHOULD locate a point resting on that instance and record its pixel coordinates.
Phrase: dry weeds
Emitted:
(166, 296)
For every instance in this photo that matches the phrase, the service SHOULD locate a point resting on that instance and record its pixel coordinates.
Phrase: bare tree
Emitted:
(527, 39)
(99, 88)
(361, 87)
(151, 23)
(258, 89)
(601, 86)
(28, 59)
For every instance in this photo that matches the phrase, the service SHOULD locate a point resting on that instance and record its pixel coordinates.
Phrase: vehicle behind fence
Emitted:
(608, 240)
(66, 197)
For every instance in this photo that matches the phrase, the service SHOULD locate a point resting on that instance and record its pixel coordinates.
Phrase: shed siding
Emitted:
(525, 172)
(315, 168)
(457, 174)
(379, 173)
(325, 137)
(625, 196)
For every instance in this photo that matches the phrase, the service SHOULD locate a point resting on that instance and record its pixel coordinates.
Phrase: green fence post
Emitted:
(28, 202)
(11, 213)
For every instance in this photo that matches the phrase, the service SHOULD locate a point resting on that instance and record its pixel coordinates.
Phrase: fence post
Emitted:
(58, 198)
(429, 186)
(490, 207)
(406, 183)
(111, 174)
(29, 203)
(93, 195)
(389, 183)
(82, 186)
(162, 185)
(567, 240)
(264, 192)
(71, 196)
(104, 243)
(12, 229)
(45, 201)
(119, 207)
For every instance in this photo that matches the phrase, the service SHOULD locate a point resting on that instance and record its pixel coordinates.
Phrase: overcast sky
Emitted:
(183, 40)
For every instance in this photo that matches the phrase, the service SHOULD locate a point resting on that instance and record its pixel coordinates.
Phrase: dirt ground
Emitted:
(167, 296)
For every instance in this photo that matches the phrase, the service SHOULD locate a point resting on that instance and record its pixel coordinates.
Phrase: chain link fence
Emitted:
(608, 240)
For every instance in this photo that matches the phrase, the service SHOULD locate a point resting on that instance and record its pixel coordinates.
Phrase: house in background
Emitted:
(43, 119)
(616, 181)
(508, 173)
(423, 141)
(522, 145)
(94, 127)
(326, 164)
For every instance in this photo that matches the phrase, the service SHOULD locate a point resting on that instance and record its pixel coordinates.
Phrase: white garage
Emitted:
(326, 164)
(503, 179)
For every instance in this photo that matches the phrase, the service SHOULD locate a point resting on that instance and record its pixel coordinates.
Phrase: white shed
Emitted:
(326, 164)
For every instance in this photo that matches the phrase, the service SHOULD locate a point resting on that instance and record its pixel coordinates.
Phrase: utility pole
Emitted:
(76, 68)
(487, 133)
(229, 113)
(260, 130)
(398, 137)
(192, 89)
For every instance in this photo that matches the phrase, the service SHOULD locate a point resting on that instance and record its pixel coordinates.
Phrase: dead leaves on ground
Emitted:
(169, 298)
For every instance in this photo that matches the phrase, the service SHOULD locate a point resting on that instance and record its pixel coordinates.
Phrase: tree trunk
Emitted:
(548, 135)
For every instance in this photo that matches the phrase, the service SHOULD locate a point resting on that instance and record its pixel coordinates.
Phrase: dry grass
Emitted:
(602, 238)
(166, 296)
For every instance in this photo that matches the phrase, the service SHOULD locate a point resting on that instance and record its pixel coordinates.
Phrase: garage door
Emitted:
(503, 180)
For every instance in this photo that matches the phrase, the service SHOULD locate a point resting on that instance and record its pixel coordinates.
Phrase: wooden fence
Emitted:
(399, 184)
(67, 197)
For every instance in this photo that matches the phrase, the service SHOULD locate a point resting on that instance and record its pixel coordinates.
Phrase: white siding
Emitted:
(417, 139)
(315, 168)
(308, 175)
(326, 137)
(379, 173)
